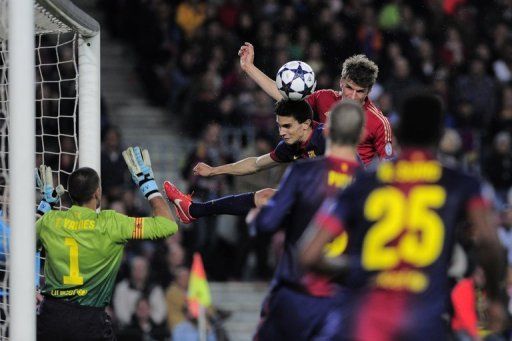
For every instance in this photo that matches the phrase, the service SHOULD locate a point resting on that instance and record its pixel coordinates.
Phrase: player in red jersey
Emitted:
(358, 75)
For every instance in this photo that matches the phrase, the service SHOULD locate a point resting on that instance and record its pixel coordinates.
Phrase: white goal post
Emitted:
(49, 86)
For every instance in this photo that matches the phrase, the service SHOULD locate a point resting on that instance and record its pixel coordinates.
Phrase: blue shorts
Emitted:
(288, 314)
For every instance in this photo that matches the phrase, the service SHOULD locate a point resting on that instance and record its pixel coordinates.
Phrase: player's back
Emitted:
(304, 187)
(402, 221)
(83, 253)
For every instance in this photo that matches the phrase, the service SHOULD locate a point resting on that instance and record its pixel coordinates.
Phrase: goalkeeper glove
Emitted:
(51, 196)
(139, 165)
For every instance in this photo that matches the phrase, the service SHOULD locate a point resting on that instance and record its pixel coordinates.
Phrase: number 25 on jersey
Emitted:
(406, 228)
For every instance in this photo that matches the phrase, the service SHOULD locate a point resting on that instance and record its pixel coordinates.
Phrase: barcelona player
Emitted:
(84, 250)
(301, 138)
(358, 75)
(297, 304)
(401, 221)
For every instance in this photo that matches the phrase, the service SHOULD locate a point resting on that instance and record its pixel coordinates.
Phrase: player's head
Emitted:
(84, 185)
(345, 123)
(293, 120)
(358, 75)
(420, 121)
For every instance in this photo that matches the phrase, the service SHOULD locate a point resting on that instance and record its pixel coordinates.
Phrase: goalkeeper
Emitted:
(84, 248)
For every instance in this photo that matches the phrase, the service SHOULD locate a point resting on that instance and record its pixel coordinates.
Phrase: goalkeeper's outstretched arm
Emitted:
(139, 165)
(50, 194)
(245, 166)
(246, 54)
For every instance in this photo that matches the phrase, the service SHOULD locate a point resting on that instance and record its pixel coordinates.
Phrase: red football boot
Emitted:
(181, 202)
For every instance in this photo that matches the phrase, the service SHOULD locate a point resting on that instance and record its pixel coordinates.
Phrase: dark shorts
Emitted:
(62, 320)
(288, 314)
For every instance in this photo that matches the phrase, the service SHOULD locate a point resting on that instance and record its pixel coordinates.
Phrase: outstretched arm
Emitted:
(139, 165)
(50, 195)
(245, 166)
(246, 54)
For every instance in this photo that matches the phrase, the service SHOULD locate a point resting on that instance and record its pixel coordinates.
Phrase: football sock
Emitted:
(239, 204)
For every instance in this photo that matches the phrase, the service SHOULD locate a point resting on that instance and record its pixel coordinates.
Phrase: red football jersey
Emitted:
(377, 137)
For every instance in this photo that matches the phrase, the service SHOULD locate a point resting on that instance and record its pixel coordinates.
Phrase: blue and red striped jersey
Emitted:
(314, 146)
(303, 188)
(401, 221)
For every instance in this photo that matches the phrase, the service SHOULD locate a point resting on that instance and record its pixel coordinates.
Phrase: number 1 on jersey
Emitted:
(74, 271)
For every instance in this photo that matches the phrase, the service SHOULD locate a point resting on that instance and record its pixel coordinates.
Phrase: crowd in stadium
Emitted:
(187, 61)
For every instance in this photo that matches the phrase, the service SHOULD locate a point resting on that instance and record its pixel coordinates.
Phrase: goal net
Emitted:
(61, 33)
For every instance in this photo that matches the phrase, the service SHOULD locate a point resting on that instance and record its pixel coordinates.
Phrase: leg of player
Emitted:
(188, 211)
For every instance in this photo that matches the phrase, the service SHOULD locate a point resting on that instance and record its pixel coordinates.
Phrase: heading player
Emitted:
(401, 221)
(358, 75)
(301, 138)
(84, 250)
(304, 187)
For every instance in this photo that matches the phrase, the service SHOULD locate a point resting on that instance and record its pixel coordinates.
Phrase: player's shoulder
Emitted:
(326, 93)
(108, 214)
(51, 215)
(305, 164)
(370, 107)
(375, 118)
(373, 113)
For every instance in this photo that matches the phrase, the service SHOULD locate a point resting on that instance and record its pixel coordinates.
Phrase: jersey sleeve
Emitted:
(122, 228)
(272, 214)
(383, 139)
(282, 153)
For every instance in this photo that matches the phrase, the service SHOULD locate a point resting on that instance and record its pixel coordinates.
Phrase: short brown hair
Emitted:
(360, 70)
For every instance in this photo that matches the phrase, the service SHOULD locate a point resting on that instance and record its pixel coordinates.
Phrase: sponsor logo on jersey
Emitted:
(389, 149)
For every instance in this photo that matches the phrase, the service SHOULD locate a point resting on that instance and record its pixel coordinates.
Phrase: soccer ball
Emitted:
(295, 80)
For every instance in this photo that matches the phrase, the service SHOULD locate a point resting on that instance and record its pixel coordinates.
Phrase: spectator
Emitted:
(190, 15)
(112, 165)
(450, 148)
(499, 165)
(202, 236)
(130, 290)
(505, 231)
(478, 90)
(181, 324)
(400, 81)
(142, 326)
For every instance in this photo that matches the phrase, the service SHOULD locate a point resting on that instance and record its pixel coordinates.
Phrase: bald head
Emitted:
(346, 122)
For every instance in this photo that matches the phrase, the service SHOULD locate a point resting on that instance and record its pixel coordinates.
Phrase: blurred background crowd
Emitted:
(186, 57)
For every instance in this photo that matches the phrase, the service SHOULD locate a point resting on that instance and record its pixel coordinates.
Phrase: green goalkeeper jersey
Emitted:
(84, 250)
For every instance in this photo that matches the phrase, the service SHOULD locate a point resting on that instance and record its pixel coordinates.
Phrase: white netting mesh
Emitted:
(56, 130)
